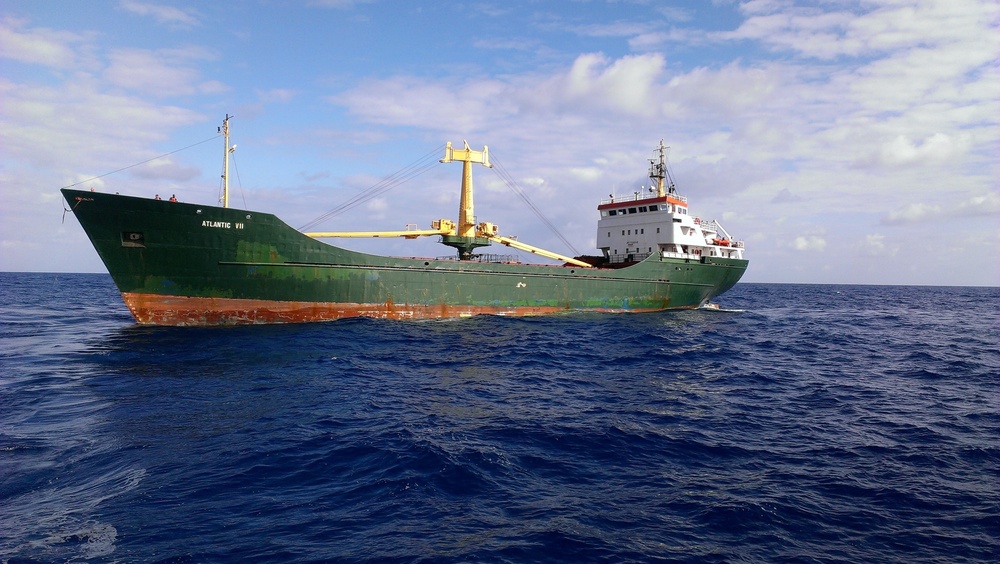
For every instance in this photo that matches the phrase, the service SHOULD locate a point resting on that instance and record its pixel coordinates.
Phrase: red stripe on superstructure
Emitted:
(154, 309)
(644, 202)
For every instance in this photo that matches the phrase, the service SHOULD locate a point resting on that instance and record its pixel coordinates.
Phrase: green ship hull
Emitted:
(187, 264)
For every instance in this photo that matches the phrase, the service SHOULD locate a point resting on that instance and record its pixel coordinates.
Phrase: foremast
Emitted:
(224, 130)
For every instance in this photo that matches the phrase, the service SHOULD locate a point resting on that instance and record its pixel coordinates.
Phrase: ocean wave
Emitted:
(825, 423)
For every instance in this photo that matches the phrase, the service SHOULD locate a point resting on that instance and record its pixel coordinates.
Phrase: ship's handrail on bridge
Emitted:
(710, 225)
(636, 196)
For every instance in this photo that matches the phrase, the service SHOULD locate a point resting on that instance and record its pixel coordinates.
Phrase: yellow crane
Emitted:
(464, 235)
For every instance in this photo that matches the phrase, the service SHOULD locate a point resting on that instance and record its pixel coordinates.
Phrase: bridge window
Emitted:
(642, 209)
(613, 212)
(631, 210)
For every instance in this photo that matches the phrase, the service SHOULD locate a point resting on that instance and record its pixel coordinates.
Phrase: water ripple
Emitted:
(823, 423)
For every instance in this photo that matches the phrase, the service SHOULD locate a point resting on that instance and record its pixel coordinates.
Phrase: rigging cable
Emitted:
(388, 183)
(239, 181)
(512, 185)
(142, 163)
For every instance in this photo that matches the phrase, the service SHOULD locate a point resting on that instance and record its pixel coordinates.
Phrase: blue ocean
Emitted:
(801, 423)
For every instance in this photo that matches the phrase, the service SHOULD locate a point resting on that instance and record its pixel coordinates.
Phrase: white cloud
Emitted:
(809, 243)
(594, 87)
(875, 245)
(586, 173)
(377, 205)
(867, 104)
(912, 213)
(281, 95)
(902, 150)
(339, 4)
(314, 177)
(674, 13)
(730, 91)
(78, 125)
(51, 128)
(785, 196)
(166, 168)
(426, 103)
(162, 73)
(808, 31)
(889, 25)
(975, 206)
(987, 204)
(42, 46)
(612, 29)
(651, 40)
(623, 85)
(169, 15)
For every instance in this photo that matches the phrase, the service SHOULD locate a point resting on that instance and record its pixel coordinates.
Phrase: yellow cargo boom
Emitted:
(489, 231)
(447, 227)
(465, 229)
(439, 227)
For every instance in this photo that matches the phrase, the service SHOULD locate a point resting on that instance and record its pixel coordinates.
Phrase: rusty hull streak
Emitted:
(152, 309)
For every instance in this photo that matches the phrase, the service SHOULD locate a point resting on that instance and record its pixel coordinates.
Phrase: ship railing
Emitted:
(711, 226)
(487, 257)
(714, 226)
(492, 258)
(629, 257)
(689, 256)
(636, 196)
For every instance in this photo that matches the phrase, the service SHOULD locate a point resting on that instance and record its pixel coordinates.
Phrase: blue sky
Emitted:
(844, 141)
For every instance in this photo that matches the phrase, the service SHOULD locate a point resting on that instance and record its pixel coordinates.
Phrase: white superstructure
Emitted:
(635, 226)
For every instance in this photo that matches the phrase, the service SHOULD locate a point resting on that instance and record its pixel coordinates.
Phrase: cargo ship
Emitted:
(187, 264)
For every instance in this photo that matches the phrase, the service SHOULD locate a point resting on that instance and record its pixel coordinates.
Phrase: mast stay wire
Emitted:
(411, 171)
(142, 163)
(512, 185)
(239, 181)
(407, 173)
